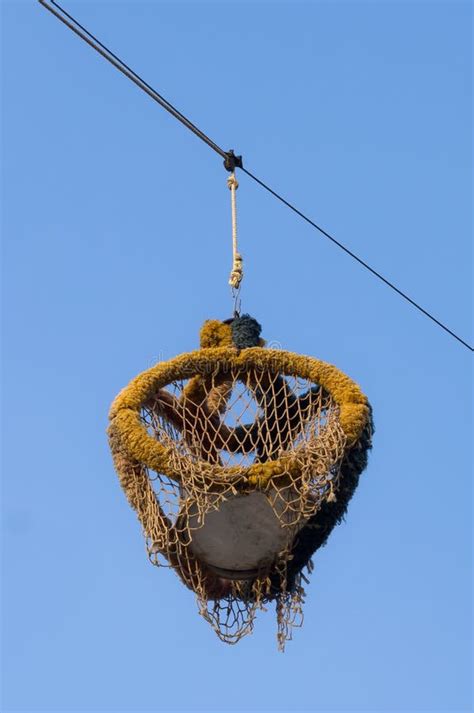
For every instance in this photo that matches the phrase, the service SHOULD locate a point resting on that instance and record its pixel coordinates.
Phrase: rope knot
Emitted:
(237, 273)
(232, 182)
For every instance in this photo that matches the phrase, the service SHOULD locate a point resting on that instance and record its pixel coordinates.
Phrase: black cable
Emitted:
(229, 158)
(359, 260)
(104, 51)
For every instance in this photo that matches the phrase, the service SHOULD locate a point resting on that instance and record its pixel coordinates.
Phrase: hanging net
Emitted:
(239, 462)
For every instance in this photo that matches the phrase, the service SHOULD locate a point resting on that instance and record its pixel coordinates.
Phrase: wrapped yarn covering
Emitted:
(239, 461)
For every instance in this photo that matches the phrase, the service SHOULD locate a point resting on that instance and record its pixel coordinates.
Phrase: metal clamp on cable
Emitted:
(231, 161)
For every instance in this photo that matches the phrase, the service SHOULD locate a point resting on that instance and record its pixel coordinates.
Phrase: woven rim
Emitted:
(125, 410)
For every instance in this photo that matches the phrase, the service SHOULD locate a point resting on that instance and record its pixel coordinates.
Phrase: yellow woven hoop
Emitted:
(142, 447)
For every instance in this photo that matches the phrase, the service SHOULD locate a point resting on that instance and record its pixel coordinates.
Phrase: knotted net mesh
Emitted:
(228, 534)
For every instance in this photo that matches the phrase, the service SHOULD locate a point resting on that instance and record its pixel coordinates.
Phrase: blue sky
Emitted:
(116, 247)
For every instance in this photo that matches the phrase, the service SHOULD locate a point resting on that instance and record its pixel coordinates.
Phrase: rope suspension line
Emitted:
(237, 273)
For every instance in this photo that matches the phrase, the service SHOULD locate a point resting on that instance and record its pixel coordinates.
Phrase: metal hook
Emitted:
(237, 301)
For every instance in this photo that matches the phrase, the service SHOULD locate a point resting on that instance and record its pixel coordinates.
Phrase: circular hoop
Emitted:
(127, 424)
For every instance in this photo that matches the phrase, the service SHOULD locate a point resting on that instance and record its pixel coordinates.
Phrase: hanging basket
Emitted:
(239, 462)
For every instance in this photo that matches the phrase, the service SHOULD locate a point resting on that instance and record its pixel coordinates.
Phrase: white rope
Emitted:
(237, 272)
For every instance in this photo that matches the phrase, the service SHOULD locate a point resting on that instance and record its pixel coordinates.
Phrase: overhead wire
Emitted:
(68, 20)
(357, 258)
(230, 160)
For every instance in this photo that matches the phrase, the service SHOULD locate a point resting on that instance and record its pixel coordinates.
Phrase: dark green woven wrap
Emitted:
(245, 332)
